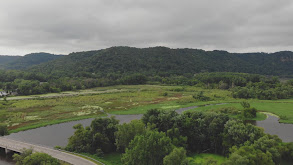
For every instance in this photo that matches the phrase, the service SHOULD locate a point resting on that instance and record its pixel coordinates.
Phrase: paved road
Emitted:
(18, 146)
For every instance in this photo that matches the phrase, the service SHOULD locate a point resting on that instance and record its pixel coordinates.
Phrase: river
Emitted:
(272, 126)
(58, 134)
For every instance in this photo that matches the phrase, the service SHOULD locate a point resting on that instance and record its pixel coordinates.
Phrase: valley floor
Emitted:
(27, 112)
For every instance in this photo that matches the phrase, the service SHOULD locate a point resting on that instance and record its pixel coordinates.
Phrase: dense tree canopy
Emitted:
(165, 137)
(147, 149)
(99, 138)
(27, 157)
(3, 129)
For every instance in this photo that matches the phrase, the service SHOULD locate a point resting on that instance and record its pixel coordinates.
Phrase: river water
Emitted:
(6, 159)
(58, 134)
(272, 126)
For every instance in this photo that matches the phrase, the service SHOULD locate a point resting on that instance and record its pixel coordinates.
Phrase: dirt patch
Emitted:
(20, 125)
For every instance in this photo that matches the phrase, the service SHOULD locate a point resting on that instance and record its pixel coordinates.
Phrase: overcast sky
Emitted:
(64, 26)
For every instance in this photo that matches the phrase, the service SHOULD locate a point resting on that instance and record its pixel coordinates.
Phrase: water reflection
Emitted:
(51, 136)
(272, 126)
(6, 159)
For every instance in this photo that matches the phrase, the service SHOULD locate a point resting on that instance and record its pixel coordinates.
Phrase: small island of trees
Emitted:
(167, 138)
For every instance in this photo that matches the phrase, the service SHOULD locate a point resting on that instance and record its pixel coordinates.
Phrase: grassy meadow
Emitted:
(205, 158)
(27, 112)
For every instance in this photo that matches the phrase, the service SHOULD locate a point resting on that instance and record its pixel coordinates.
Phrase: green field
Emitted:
(281, 108)
(198, 159)
(193, 159)
(27, 112)
(108, 159)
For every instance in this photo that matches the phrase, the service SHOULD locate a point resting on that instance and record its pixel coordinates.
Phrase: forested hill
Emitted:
(29, 60)
(162, 61)
(7, 59)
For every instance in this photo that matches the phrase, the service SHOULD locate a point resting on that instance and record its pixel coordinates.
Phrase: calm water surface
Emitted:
(272, 126)
(6, 159)
(57, 135)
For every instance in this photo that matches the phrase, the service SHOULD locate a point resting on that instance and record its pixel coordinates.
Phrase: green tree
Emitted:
(248, 155)
(40, 159)
(81, 140)
(176, 157)
(127, 132)
(27, 157)
(210, 161)
(249, 112)
(245, 104)
(236, 134)
(3, 130)
(287, 151)
(177, 139)
(147, 149)
(201, 97)
(236, 159)
(163, 120)
(20, 158)
(269, 144)
(99, 138)
(103, 130)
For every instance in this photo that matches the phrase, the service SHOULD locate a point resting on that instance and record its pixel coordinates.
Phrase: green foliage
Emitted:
(201, 97)
(245, 104)
(165, 142)
(177, 139)
(98, 138)
(7, 59)
(203, 131)
(196, 131)
(249, 112)
(134, 79)
(267, 89)
(264, 151)
(30, 60)
(146, 149)
(236, 134)
(164, 61)
(81, 140)
(165, 94)
(27, 157)
(40, 159)
(20, 158)
(3, 129)
(210, 161)
(287, 152)
(5, 98)
(176, 157)
(125, 65)
(205, 158)
(163, 120)
(127, 132)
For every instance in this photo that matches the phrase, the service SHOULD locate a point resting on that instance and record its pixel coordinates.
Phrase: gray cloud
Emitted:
(64, 26)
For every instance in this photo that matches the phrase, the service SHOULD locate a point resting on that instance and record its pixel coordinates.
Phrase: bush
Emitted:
(3, 130)
(201, 97)
(249, 112)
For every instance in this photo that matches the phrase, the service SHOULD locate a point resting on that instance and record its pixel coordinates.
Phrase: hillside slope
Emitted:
(117, 61)
(7, 59)
(30, 60)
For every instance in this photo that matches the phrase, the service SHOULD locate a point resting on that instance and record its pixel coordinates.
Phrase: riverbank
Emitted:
(51, 109)
(281, 108)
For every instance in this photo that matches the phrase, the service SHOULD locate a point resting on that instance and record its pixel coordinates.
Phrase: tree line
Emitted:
(166, 137)
(242, 85)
